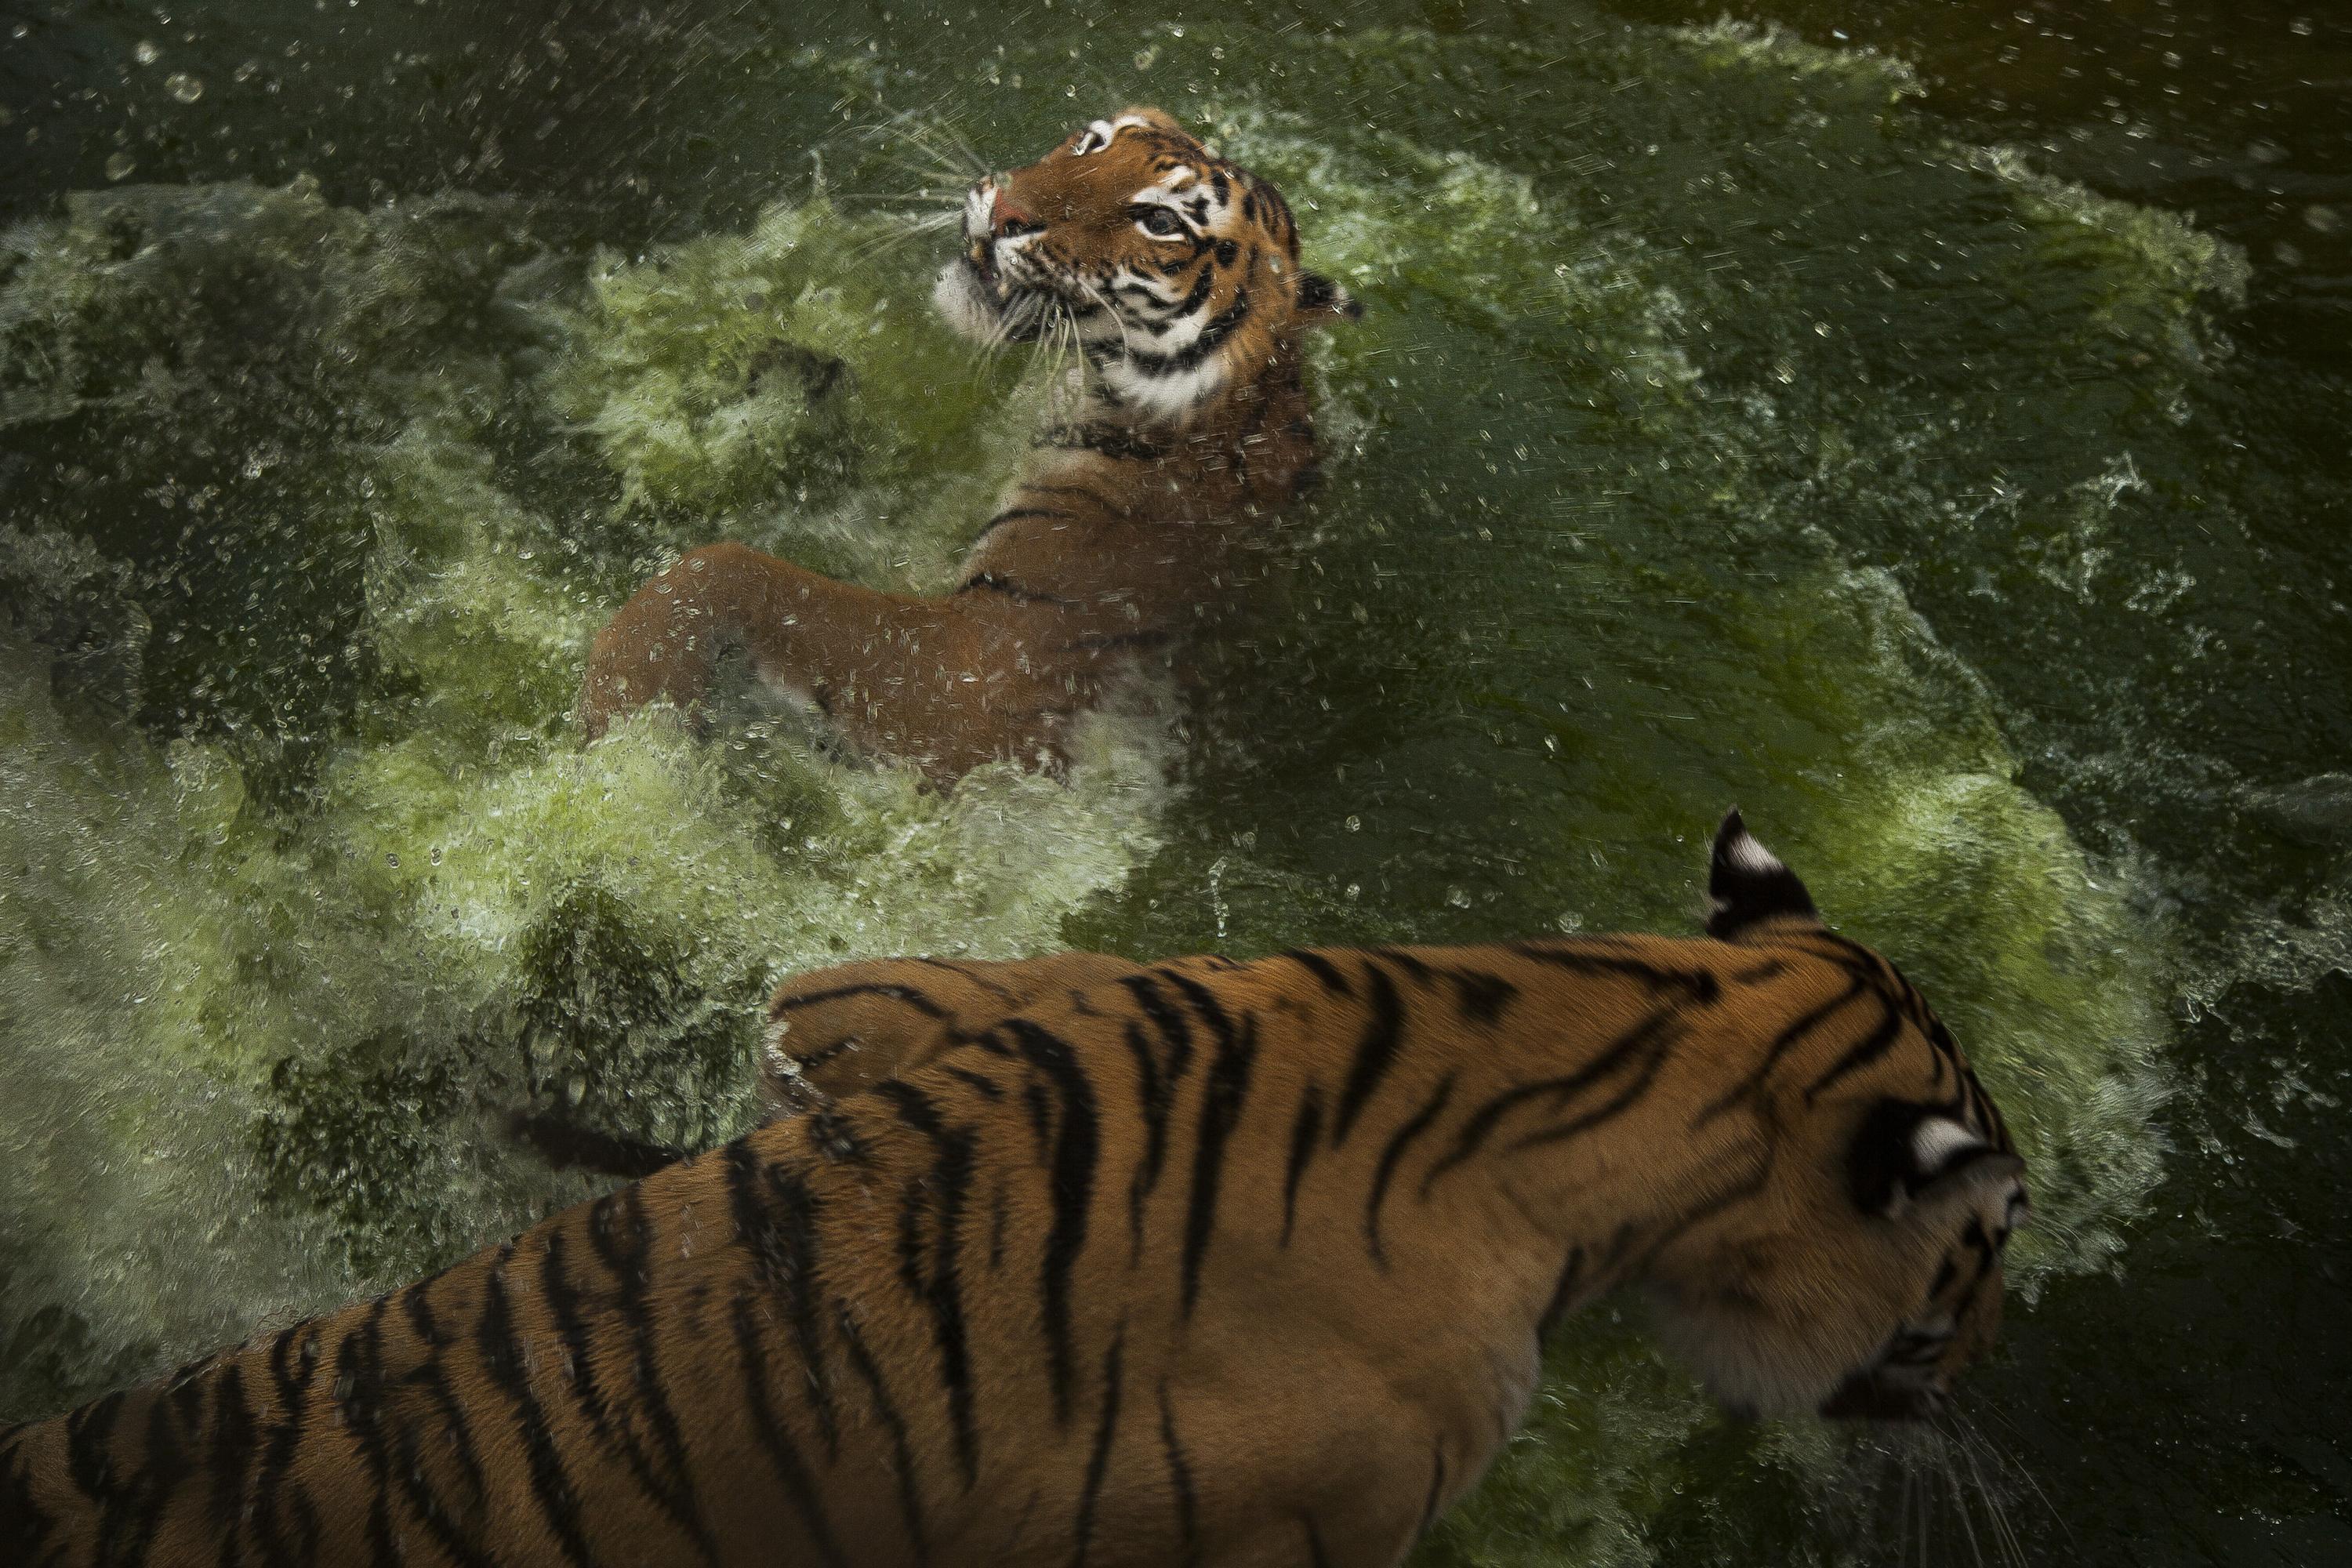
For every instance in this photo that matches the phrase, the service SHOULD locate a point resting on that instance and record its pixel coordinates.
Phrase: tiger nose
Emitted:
(1008, 219)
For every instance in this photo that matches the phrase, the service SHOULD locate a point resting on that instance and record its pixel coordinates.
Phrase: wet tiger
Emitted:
(1091, 1262)
(1177, 274)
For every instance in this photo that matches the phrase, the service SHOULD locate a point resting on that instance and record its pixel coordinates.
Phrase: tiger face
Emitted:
(1865, 1277)
(1177, 270)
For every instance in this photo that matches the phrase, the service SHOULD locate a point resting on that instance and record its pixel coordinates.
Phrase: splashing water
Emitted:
(305, 886)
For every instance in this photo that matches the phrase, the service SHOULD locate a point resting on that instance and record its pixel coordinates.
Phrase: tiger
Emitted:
(1085, 1262)
(1177, 274)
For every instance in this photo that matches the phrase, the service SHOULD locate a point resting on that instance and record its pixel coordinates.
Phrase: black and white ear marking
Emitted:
(1905, 1154)
(1319, 296)
(1746, 883)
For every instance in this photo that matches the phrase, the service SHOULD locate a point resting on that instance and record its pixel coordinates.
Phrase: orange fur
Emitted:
(1130, 529)
(1079, 1260)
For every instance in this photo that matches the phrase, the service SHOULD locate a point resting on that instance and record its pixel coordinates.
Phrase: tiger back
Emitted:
(1201, 1261)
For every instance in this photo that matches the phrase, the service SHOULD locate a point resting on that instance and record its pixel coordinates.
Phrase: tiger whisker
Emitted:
(1961, 1505)
(926, 134)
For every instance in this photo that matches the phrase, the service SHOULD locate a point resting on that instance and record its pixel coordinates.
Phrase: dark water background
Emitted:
(2185, 1405)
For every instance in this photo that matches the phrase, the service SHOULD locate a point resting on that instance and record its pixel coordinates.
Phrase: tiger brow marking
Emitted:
(1179, 1480)
(1305, 1132)
(1077, 1136)
(1787, 1039)
(625, 1260)
(502, 1355)
(1626, 1047)
(1098, 1461)
(778, 1226)
(938, 1287)
(1376, 1049)
(894, 1424)
(781, 1451)
(1389, 1157)
(571, 1334)
(1221, 1107)
(895, 993)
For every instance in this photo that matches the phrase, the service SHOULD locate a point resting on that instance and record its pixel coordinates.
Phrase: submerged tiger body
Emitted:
(1092, 1262)
(1177, 273)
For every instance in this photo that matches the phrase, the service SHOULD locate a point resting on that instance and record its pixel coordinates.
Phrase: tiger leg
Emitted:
(838, 1030)
(993, 670)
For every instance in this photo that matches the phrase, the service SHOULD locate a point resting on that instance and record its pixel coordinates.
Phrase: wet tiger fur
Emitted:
(1178, 274)
(1089, 1262)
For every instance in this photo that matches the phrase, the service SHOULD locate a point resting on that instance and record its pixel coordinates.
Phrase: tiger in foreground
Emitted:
(1178, 275)
(1083, 1261)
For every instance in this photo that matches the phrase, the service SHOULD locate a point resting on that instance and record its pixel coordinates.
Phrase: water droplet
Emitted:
(1355, 824)
(145, 52)
(120, 165)
(183, 86)
(1458, 897)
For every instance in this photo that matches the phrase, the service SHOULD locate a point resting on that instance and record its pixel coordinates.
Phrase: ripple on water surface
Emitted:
(305, 885)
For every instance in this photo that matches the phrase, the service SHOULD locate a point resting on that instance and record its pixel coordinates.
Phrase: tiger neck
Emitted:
(1235, 443)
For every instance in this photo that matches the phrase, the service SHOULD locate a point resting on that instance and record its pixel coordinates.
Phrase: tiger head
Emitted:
(1865, 1274)
(1177, 270)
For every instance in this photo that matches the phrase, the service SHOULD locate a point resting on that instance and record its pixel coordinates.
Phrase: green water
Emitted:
(1727, 423)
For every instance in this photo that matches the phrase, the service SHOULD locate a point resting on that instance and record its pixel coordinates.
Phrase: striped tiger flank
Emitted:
(1139, 519)
(1090, 1262)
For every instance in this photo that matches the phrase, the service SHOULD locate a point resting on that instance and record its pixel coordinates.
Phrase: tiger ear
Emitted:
(1746, 884)
(1322, 302)
(1906, 1155)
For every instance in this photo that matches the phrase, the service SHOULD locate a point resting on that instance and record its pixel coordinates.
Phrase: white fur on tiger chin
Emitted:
(963, 301)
